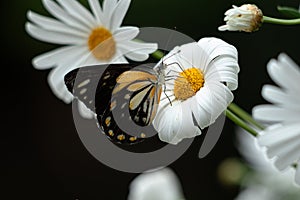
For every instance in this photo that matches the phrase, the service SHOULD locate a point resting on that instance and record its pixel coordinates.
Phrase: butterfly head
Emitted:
(161, 66)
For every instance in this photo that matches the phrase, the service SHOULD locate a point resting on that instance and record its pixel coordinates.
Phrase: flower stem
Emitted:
(240, 122)
(244, 115)
(158, 54)
(272, 20)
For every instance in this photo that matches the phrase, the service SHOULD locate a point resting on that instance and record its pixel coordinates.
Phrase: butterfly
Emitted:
(124, 97)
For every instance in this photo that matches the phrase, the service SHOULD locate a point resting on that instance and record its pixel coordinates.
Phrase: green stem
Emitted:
(244, 115)
(272, 20)
(240, 122)
(158, 54)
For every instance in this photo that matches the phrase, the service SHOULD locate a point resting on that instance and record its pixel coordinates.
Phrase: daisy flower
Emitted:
(160, 184)
(200, 77)
(247, 17)
(264, 181)
(88, 38)
(282, 137)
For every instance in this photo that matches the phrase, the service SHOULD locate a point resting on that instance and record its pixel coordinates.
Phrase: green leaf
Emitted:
(289, 11)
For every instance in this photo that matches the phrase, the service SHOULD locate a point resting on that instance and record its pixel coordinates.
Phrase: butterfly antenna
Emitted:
(169, 56)
(176, 63)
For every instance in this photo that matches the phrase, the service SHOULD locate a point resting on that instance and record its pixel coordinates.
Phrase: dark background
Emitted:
(42, 156)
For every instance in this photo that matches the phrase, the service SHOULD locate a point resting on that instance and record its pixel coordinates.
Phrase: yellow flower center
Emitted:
(188, 83)
(102, 44)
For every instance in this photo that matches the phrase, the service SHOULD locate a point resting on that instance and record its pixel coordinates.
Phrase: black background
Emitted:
(42, 156)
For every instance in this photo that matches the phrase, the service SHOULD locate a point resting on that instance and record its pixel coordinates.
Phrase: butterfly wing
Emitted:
(91, 82)
(111, 100)
(143, 90)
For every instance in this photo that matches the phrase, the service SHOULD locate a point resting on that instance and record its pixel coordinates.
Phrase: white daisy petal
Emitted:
(58, 87)
(54, 57)
(215, 47)
(276, 95)
(125, 33)
(203, 117)
(223, 69)
(283, 148)
(274, 136)
(158, 184)
(276, 114)
(189, 126)
(56, 76)
(288, 155)
(62, 15)
(135, 56)
(51, 36)
(282, 138)
(285, 77)
(119, 14)
(141, 47)
(263, 175)
(84, 111)
(53, 25)
(108, 10)
(74, 8)
(168, 122)
(214, 98)
(190, 53)
(292, 70)
(97, 11)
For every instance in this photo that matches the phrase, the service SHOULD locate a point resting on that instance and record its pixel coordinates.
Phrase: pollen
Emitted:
(189, 82)
(102, 44)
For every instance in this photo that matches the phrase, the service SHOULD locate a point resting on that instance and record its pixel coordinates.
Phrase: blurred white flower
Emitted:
(160, 184)
(265, 182)
(89, 38)
(200, 77)
(282, 137)
(247, 17)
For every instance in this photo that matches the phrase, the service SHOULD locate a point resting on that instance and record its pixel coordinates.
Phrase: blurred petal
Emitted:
(119, 14)
(161, 184)
(125, 33)
(275, 113)
(79, 12)
(97, 11)
(84, 111)
(53, 25)
(62, 15)
(52, 36)
(282, 137)
(141, 47)
(108, 10)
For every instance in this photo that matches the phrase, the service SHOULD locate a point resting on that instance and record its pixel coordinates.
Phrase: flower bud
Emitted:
(247, 17)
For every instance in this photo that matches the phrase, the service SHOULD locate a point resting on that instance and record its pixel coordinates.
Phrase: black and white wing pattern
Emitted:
(123, 96)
